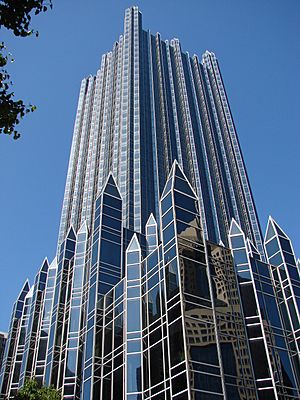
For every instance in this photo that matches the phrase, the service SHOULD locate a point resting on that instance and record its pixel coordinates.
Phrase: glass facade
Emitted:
(3, 339)
(148, 105)
(162, 287)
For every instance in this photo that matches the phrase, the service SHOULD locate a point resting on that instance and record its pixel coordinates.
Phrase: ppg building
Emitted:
(162, 287)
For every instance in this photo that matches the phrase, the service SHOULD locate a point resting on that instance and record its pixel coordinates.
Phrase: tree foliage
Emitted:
(15, 15)
(33, 391)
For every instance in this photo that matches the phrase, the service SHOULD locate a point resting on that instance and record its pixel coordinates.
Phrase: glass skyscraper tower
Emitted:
(162, 287)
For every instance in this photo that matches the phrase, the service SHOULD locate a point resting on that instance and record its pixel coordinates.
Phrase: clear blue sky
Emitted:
(257, 44)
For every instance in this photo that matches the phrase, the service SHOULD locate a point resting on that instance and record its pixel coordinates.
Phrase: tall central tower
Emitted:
(148, 105)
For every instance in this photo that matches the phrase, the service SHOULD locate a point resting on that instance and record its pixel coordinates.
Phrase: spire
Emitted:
(278, 244)
(133, 258)
(178, 184)
(83, 228)
(273, 229)
(270, 232)
(134, 244)
(110, 187)
(40, 278)
(178, 180)
(237, 238)
(151, 220)
(19, 303)
(71, 233)
(45, 265)
(112, 193)
(151, 233)
(235, 229)
(24, 290)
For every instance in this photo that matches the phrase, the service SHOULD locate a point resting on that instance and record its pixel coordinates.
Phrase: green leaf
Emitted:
(16, 16)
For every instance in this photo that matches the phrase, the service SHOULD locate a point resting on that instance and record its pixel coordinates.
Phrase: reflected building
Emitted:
(162, 287)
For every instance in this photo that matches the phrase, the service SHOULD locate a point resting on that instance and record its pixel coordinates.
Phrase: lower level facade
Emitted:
(162, 315)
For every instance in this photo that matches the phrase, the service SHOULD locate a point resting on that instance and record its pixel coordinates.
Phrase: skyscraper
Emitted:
(148, 105)
(162, 287)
